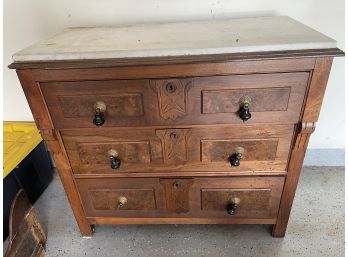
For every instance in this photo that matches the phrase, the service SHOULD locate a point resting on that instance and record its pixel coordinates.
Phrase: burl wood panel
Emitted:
(177, 194)
(191, 149)
(262, 100)
(129, 151)
(71, 103)
(259, 196)
(251, 199)
(274, 97)
(196, 100)
(255, 150)
(121, 105)
(100, 196)
(137, 199)
(176, 197)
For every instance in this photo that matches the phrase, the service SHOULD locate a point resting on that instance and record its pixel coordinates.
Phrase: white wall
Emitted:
(31, 20)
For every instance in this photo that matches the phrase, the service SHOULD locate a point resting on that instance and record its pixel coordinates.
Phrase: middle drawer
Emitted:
(210, 148)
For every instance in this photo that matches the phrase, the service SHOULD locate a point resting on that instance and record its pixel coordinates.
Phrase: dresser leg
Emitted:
(291, 181)
(69, 185)
(288, 193)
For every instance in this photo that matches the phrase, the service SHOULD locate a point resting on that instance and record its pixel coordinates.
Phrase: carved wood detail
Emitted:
(174, 144)
(306, 129)
(172, 97)
(177, 194)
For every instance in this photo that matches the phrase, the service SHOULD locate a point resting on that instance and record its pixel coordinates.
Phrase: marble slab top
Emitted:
(177, 39)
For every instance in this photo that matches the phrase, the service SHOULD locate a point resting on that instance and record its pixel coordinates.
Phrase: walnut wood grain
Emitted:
(197, 100)
(52, 137)
(183, 132)
(175, 70)
(176, 192)
(100, 196)
(172, 97)
(198, 148)
(310, 114)
(259, 196)
(180, 197)
(255, 150)
(177, 220)
(71, 103)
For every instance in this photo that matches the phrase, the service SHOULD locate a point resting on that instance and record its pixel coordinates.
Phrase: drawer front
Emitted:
(196, 149)
(198, 100)
(120, 197)
(222, 197)
(256, 197)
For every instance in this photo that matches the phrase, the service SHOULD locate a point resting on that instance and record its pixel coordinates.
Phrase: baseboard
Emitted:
(324, 157)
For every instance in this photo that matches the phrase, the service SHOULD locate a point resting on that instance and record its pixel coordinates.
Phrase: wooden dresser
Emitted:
(201, 122)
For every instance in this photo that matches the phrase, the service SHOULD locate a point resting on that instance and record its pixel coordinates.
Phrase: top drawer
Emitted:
(273, 98)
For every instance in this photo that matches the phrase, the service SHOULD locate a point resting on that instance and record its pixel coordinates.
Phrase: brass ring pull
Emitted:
(237, 156)
(99, 110)
(244, 105)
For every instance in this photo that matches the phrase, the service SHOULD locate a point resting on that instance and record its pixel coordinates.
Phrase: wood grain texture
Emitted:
(145, 196)
(35, 99)
(255, 150)
(137, 199)
(176, 192)
(172, 97)
(176, 70)
(180, 197)
(52, 137)
(177, 220)
(176, 120)
(195, 149)
(27, 236)
(310, 114)
(197, 100)
(71, 103)
(64, 170)
(316, 90)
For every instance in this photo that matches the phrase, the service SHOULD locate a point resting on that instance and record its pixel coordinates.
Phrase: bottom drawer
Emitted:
(218, 198)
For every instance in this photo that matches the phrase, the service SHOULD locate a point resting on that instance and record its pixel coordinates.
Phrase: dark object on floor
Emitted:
(27, 237)
(33, 175)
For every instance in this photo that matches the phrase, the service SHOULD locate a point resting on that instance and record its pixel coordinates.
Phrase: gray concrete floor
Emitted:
(316, 228)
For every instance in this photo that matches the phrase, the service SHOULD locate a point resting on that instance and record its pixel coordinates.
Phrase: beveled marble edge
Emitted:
(169, 53)
(253, 35)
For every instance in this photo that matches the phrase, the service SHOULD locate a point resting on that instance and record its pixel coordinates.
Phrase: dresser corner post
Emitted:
(43, 121)
(303, 131)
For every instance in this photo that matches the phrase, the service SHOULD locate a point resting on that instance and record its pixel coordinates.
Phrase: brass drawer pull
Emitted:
(115, 162)
(121, 201)
(99, 110)
(236, 156)
(244, 111)
(232, 206)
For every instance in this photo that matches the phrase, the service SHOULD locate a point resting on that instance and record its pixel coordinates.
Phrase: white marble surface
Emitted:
(175, 39)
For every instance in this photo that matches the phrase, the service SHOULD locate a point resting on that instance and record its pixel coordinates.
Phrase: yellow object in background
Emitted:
(20, 138)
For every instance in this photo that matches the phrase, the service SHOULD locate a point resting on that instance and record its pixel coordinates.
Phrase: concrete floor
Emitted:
(316, 228)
